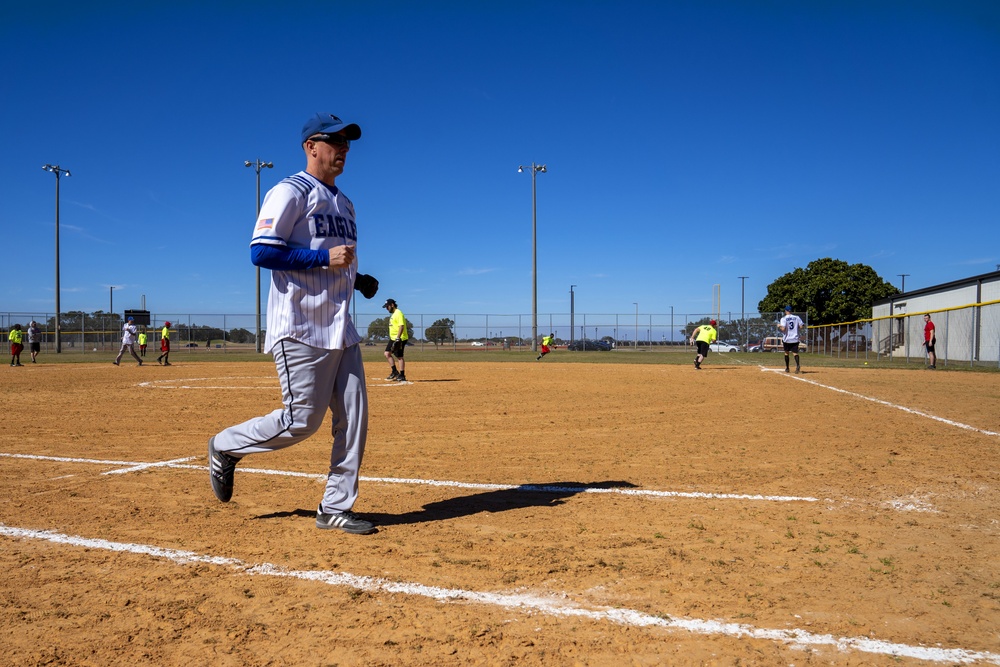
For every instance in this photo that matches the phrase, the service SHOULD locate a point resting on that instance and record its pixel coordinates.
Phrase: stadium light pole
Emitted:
(635, 343)
(58, 171)
(571, 311)
(535, 168)
(903, 276)
(743, 310)
(258, 165)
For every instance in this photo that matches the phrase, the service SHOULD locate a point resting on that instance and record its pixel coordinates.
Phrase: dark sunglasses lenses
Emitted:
(332, 139)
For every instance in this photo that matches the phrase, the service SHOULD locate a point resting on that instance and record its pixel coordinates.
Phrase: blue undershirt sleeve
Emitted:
(278, 258)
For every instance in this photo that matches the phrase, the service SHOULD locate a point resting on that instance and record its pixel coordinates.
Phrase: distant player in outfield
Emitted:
(143, 340)
(396, 346)
(930, 340)
(791, 327)
(164, 357)
(546, 345)
(16, 346)
(307, 236)
(129, 333)
(703, 336)
(34, 340)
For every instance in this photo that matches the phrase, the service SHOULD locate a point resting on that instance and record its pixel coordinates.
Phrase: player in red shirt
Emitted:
(929, 340)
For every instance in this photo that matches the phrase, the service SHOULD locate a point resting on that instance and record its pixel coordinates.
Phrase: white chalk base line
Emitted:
(133, 466)
(886, 403)
(525, 602)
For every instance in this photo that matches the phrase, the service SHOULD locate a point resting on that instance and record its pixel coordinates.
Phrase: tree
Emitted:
(379, 329)
(829, 291)
(440, 332)
(242, 336)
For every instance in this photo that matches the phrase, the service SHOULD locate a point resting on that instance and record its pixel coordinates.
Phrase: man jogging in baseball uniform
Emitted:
(307, 235)
(129, 334)
(791, 327)
(396, 346)
(702, 337)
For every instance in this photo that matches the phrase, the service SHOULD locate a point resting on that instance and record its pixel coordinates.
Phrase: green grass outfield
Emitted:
(678, 355)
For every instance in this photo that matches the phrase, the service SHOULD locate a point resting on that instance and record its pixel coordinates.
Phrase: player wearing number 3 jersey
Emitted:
(791, 327)
(307, 235)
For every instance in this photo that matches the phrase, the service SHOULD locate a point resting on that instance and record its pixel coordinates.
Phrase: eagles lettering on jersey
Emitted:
(326, 225)
(311, 306)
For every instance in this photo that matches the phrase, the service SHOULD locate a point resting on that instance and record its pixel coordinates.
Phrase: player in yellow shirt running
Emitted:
(546, 345)
(703, 336)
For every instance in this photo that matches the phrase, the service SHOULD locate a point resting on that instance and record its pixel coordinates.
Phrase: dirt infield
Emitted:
(529, 513)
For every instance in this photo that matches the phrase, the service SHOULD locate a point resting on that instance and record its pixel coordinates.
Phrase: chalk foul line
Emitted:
(887, 404)
(134, 466)
(525, 602)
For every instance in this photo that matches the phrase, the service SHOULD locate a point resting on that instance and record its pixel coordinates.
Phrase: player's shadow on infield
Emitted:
(501, 500)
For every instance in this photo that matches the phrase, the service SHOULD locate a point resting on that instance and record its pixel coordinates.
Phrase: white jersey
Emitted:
(793, 326)
(128, 334)
(311, 306)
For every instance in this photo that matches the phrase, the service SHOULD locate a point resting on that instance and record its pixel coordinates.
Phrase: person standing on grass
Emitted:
(143, 340)
(930, 340)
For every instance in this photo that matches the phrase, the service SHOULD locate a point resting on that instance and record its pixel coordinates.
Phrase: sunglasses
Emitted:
(332, 139)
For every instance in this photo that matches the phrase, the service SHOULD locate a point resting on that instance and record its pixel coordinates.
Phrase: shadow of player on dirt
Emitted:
(500, 500)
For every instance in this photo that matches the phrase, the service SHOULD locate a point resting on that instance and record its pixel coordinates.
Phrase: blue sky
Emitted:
(687, 144)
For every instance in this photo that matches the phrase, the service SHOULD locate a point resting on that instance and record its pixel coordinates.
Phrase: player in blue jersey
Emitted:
(307, 235)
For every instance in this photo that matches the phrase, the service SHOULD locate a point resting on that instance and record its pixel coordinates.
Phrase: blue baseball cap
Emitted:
(788, 308)
(131, 319)
(327, 123)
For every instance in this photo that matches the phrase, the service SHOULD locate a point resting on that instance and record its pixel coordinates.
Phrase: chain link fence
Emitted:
(968, 335)
(101, 332)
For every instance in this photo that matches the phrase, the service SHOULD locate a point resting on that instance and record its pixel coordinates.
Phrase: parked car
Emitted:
(854, 343)
(191, 345)
(719, 346)
(774, 344)
(476, 343)
(584, 344)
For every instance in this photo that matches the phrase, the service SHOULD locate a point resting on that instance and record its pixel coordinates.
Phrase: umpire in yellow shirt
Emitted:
(397, 341)
(703, 336)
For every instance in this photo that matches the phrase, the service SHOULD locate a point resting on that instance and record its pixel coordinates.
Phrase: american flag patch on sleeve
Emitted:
(265, 223)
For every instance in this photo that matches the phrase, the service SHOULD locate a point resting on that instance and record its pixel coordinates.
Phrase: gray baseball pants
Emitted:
(131, 350)
(312, 381)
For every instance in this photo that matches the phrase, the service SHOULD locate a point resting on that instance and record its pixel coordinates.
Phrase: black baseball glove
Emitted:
(366, 284)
